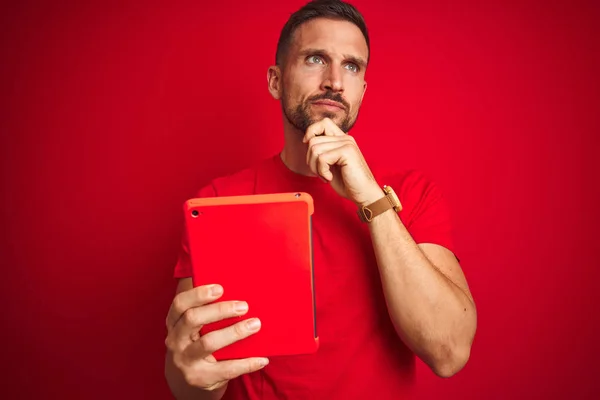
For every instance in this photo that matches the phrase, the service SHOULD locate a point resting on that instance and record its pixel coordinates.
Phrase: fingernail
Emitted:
(241, 306)
(216, 290)
(253, 324)
(263, 362)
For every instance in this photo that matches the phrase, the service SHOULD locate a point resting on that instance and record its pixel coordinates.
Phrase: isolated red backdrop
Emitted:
(114, 113)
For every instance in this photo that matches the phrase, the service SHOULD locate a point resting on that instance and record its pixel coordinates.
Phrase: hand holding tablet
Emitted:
(190, 310)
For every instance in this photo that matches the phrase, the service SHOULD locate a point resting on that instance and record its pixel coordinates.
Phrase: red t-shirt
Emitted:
(360, 355)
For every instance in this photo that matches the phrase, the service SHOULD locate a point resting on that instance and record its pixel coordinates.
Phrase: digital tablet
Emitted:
(259, 248)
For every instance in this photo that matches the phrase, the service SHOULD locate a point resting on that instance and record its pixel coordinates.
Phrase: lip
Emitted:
(329, 104)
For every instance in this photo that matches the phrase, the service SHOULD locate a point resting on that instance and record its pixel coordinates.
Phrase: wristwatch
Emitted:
(389, 200)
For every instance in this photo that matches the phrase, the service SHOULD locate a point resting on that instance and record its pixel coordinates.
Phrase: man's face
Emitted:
(324, 74)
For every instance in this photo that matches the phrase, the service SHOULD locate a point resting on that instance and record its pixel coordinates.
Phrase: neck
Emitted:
(294, 151)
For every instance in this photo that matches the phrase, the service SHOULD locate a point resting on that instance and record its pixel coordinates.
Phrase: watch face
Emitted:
(392, 195)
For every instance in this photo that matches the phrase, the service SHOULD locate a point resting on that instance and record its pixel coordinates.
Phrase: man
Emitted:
(389, 286)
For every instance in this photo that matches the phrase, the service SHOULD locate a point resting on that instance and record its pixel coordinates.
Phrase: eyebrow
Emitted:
(356, 60)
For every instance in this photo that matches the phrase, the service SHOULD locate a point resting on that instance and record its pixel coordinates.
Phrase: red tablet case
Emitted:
(259, 248)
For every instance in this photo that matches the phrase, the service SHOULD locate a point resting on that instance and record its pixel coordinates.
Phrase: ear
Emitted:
(364, 90)
(274, 81)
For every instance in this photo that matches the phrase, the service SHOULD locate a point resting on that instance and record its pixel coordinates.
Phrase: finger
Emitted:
(316, 150)
(231, 369)
(324, 127)
(324, 168)
(194, 318)
(326, 139)
(195, 297)
(210, 375)
(316, 129)
(333, 128)
(315, 141)
(338, 156)
(215, 340)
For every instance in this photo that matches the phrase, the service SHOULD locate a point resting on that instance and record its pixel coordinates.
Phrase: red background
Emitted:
(114, 113)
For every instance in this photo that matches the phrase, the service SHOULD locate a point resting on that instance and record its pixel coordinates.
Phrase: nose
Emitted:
(332, 81)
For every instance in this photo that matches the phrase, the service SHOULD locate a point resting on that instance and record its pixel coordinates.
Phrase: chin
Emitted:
(334, 117)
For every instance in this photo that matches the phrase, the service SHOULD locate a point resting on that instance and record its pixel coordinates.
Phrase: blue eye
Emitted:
(315, 59)
(352, 67)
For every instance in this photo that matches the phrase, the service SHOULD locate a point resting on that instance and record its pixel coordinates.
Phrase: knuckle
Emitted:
(207, 343)
(223, 308)
(252, 366)
(189, 317)
(169, 343)
(191, 377)
(194, 336)
(239, 331)
(178, 304)
(202, 293)
(230, 372)
(226, 309)
(174, 345)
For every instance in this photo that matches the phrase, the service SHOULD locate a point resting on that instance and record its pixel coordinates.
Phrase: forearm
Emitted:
(181, 390)
(432, 315)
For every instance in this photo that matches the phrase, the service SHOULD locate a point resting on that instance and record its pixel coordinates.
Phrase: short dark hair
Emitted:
(332, 9)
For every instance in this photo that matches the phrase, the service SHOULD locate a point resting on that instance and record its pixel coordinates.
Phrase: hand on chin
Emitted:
(335, 157)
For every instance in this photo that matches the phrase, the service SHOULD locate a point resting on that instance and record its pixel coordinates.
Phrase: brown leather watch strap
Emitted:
(367, 213)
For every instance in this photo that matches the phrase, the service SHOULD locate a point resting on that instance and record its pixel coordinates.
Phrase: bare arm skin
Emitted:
(427, 296)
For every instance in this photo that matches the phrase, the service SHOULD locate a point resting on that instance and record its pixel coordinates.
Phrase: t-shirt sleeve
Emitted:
(425, 212)
(183, 267)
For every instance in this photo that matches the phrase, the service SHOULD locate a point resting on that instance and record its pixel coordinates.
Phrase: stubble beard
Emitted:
(300, 117)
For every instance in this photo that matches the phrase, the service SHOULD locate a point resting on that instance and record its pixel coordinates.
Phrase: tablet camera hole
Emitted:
(195, 213)
(297, 195)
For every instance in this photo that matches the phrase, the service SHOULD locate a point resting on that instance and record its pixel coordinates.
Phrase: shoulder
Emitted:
(410, 184)
(418, 193)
